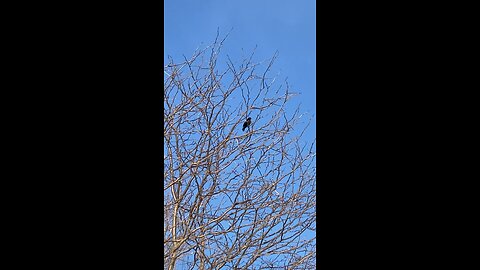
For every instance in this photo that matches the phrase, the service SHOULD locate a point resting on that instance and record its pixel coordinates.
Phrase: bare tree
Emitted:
(235, 199)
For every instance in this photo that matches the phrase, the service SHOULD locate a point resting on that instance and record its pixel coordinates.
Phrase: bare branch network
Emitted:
(235, 199)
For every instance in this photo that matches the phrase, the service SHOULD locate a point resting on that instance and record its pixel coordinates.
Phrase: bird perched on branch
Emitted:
(247, 123)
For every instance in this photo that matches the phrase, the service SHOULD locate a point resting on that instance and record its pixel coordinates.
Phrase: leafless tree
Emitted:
(235, 199)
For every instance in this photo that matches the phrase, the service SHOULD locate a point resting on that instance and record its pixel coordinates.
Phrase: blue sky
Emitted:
(271, 25)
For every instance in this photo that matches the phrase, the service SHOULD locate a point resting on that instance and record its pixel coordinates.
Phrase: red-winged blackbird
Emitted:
(247, 123)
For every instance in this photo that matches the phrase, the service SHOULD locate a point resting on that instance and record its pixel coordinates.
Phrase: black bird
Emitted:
(247, 123)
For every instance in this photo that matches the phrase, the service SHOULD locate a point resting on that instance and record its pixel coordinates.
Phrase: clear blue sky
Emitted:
(272, 25)
(283, 25)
